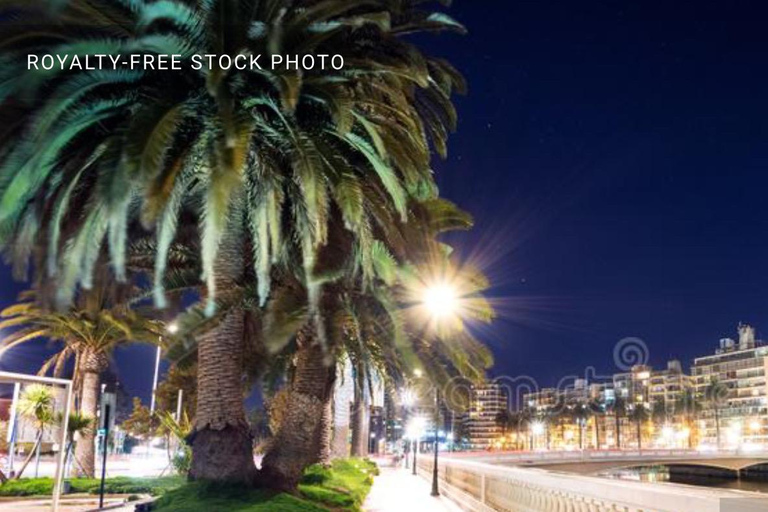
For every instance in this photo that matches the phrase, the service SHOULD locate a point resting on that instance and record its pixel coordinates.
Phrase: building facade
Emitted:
(482, 426)
(731, 385)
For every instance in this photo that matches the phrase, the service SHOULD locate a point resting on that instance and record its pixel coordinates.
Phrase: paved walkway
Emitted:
(397, 490)
(68, 504)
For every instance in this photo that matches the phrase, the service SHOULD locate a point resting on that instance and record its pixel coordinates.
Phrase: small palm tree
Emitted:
(78, 426)
(176, 432)
(36, 404)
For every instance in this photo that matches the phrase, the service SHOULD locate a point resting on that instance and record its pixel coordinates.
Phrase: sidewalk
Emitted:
(397, 490)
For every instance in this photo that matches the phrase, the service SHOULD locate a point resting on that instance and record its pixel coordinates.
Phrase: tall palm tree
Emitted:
(381, 326)
(716, 397)
(262, 160)
(688, 406)
(618, 407)
(581, 414)
(638, 413)
(36, 403)
(597, 412)
(88, 338)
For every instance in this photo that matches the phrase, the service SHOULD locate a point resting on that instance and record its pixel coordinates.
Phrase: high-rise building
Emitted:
(740, 411)
(486, 402)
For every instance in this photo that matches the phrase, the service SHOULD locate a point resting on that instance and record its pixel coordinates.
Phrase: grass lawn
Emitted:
(343, 487)
(118, 485)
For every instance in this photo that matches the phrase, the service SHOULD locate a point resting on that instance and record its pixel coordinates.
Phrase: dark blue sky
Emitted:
(614, 155)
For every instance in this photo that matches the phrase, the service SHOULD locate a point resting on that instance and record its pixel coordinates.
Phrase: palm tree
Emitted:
(263, 161)
(381, 327)
(716, 396)
(86, 337)
(597, 412)
(36, 403)
(581, 414)
(78, 425)
(639, 414)
(688, 406)
(618, 408)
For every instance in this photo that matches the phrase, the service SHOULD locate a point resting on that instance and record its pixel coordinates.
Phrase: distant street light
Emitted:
(172, 328)
(415, 429)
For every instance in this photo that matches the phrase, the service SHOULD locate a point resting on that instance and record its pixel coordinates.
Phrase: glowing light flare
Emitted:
(408, 397)
(441, 300)
(537, 428)
(416, 427)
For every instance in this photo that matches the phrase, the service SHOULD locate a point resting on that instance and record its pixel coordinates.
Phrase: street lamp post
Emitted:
(415, 449)
(440, 299)
(435, 490)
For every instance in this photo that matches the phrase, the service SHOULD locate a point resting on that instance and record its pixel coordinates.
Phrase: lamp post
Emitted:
(415, 429)
(440, 300)
(435, 490)
(407, 401)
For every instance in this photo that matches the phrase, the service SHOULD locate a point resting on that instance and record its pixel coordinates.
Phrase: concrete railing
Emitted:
(552, 457)
(482, 487)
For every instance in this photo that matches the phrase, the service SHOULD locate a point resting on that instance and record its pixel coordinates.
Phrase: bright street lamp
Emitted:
(440, 300)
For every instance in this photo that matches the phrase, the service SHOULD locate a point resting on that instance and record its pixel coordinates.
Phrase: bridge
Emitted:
(551, 482)
(593, 462)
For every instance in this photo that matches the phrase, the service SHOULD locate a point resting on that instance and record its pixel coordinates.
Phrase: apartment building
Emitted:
(741, 409)
(486, 402)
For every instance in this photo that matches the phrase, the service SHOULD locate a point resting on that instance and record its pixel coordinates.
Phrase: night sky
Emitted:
(614, 156)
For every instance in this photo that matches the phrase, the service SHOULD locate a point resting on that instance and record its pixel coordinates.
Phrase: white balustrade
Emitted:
(483, 487)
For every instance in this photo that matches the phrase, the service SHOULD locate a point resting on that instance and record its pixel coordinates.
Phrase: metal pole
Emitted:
(104, 455)
(435, 490)
(415, 449)
(154, 380)
(62, 455)
(178, 405)
(12, 427)
(154, 394)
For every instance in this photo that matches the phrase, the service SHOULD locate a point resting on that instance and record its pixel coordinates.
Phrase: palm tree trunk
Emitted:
(85, 451)
(222, 447)
(326, 435)
(296, 443)
(359, 443)
(618, 431)
(597, 433)
(717, 426)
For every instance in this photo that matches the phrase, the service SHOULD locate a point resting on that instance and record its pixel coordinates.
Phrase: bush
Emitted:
(118, 485)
